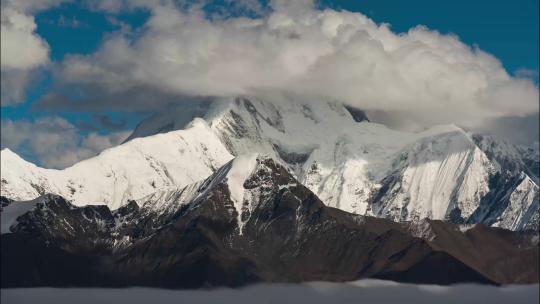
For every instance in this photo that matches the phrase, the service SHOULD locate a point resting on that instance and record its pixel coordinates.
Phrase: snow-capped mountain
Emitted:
(128, 171)
(348, 162)
(510, 158)
(250, 221)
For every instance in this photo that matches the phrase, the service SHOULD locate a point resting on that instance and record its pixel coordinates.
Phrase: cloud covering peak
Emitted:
(300, 51)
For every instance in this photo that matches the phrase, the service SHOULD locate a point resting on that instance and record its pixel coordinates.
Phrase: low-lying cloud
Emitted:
(302, 52)
(363, 291)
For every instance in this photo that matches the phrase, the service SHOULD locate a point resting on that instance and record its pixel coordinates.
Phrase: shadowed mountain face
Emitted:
(251, 221)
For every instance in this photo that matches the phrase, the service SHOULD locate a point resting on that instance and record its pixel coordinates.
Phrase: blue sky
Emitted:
(82, 36)
(506, 29)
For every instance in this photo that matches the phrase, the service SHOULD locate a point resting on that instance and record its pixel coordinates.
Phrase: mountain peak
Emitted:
(251, 177)
(363, 168)
(10, 155)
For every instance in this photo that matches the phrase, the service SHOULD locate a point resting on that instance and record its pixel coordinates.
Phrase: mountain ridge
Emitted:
(360, 167)
(281, 233)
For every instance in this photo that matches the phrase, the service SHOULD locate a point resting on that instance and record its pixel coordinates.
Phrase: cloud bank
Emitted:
(363, 291)
(302, 52)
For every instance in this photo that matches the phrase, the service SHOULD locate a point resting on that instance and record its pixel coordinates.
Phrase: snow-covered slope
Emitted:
(509, 157)
(517, 215)
(367, 168)
(132, 170)
(174, 117)
(237, 176)
(438, 175)
(350, 163)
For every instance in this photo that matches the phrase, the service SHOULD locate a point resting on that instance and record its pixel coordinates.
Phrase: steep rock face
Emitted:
(512, 201)
(348, 162)
(250, 221)
(438, 177)
(509, 158)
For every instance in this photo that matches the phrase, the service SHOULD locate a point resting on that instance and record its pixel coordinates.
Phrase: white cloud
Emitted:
(308, 53)
(55, 142)
(532, 74)
(21, 47)
(115, 6)
(22, 50)
(32, 6)
(13, 85)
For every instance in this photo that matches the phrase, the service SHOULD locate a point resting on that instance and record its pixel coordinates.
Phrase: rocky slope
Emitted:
(250, 221)
(350, 163)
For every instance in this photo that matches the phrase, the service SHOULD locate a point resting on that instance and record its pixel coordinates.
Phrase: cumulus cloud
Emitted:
(520, 130)
(289, 49)
(14, 83)
(31, 6)
(221, 8)
(299, 51)
(21, 47)
(141, 99)
(22, 50)
(115, 6)
(54, 141)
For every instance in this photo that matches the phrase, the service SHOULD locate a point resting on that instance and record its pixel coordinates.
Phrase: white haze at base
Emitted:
(345, 164)
(363, 291)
